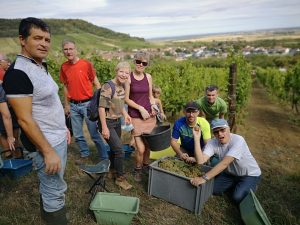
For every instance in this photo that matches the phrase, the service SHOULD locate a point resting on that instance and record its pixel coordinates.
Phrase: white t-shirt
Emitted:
(244, 163)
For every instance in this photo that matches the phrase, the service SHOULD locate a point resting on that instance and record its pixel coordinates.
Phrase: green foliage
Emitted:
(105, 69)
(186, 80)
(89, 37)
(180, 81)
(292, 86)
(265, 61)
(284, 85)
(9, 28)
(244, 80)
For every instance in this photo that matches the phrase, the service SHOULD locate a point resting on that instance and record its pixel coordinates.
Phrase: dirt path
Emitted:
(268, 129)
(275, 142)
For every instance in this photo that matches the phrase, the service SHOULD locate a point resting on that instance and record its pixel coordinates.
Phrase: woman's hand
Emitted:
(163, 116)
(144, 112)
(105, 132)
(127, 119)
(154, 109)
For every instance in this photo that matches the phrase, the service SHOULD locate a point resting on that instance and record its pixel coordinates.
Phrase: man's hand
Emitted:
(68, 136)
(67, 109)
(52, 161)
(184, 156)
(196, 181)
(197, 132)
(191, 160)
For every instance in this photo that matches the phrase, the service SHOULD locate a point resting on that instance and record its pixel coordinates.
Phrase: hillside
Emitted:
(88, 36)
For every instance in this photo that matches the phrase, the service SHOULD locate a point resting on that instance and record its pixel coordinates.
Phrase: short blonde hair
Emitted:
(123, 64)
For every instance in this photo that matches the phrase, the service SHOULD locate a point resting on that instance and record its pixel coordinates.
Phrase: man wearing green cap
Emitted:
(237, 169)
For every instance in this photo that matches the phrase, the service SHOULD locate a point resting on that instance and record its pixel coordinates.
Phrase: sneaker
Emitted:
(123, 183)
(81, 161)
(137, 175)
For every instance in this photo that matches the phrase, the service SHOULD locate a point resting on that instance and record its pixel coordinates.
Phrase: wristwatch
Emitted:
(205, 177)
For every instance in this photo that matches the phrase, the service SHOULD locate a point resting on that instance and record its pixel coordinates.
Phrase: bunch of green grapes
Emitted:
(181, 168)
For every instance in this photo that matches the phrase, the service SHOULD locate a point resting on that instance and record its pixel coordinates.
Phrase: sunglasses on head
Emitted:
(221, 130)
(141, 62)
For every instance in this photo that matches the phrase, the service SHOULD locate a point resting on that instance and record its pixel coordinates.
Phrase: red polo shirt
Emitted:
(78, 78)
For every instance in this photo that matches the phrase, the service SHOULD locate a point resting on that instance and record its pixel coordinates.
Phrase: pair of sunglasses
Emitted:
(141, 62)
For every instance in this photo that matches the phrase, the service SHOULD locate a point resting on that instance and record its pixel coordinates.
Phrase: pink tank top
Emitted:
(139, 93)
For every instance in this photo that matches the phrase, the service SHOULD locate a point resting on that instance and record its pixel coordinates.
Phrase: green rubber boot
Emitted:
(54, 218)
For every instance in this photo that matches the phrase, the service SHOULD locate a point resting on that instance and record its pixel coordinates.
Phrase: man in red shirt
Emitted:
(4, 64)
(79, 76)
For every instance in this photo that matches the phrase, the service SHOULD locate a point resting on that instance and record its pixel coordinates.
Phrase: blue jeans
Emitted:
(240, 186)
(78, 114)
(52, 187)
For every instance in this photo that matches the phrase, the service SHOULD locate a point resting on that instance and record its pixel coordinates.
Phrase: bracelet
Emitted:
(205, 177)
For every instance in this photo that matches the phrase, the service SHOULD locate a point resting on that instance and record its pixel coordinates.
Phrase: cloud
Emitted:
(156, 18)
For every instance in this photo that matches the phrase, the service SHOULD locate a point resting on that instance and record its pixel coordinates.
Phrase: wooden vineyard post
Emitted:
(232, 97)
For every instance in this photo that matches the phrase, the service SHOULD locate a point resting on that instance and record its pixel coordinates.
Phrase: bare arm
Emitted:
(23, 109)
(6, 117)
(176, 147)
(104, 128)
(214, 171)
(96, 83)
(66, 101)
(151, 98)
(126, 116)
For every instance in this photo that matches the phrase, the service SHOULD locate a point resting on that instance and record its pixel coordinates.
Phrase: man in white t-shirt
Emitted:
(237, 170)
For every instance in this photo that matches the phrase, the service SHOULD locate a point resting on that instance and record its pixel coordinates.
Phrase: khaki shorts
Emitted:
(142, 126)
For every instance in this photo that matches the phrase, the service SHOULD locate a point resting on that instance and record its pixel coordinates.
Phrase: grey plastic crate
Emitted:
(177, 189)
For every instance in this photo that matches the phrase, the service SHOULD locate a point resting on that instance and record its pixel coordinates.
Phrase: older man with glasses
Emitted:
(183, 129)
(4, 64)
(237, 170)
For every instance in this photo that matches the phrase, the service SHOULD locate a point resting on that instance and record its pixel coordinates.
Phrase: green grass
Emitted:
(278, 194)
(86, 42)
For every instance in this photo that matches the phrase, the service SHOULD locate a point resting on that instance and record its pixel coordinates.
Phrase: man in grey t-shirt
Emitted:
(237, 169)
(33, 95)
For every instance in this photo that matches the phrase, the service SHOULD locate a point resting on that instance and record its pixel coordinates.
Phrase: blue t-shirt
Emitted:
(182, 130)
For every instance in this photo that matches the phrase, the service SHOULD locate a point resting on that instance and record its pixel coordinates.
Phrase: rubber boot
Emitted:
(53, 218)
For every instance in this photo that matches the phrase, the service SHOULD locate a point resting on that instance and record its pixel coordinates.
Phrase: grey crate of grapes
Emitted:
(177, 189)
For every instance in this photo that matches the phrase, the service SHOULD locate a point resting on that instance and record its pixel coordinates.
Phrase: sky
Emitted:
(164, 18)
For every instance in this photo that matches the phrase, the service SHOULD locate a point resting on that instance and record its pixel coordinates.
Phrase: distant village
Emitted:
(180, 53)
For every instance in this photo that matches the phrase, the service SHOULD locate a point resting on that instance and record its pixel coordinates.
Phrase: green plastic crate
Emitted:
(114, 209)
(252, 212)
